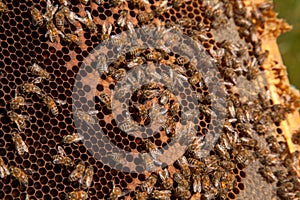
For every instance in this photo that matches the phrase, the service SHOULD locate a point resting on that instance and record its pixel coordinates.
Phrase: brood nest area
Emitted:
(145, 99)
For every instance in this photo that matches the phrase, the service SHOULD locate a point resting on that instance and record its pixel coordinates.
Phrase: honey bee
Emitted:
(181, 180)
(172, 79)
(195, 78)
(267, 173)
(199, 165)
(266, 6)
(99, 2)
(88, 21)
(139, 3)
(71, 16)
(71, 38)
(178, 3)
(182, 192)
(102, 64)
(165, 97)
(227, 180)
(64, 2)
(164, 176)
(250, 142)
(42, 74)
(50, 103)
(4, 171)
(228, 165)
(141, 195)
(20, 145)
(211, 163)
(132, 33)
(87, 179)
(184, 166)
(270, 159)
(196, 177)
(37, 17)
(206, 184)
(50, 10)
(116, 193)
(62, 159)
(77, 195)
(69, 139)
(138, 61)
(149, 162)
(19, 119)
(216, 178)
(86, 116)
(242, 157)
(77, 173)
(161, 8)
(273, 144)
(116, 3)
(194, 148)
(186, 22)
(154, 56)
(85, 2)
(221, 150)
(174, 109)
(168, 126)
(153, 150)
(30, 88)
(53, 32)
(142, 111)
(161, 194)
(145, 17)
(148, 185)
(106, 31)
(122, 20)
(17, 103)
(119, 73)
(20, 175)
(104, 98)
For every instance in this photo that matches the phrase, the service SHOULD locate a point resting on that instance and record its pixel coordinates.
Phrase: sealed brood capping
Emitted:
(235, 137)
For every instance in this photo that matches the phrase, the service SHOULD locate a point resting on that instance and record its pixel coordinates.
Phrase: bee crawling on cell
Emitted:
(19, 119)
(18, 102)
(62, 159)
(38, 71)
(73, 138)
(51, 104)
(20, 146)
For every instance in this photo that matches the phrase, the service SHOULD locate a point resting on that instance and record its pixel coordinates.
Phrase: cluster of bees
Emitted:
(29, 88)
(84, 176)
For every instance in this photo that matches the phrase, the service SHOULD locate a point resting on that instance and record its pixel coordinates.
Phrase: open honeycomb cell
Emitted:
(227, 37)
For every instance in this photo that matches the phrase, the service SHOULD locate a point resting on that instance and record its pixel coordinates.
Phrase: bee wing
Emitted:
(81, 19)
(145, 1)
(24, 147)
(197, 185)
(60, 102)
(61, 151)
(2, 172)
(29, 171)
(109, 29)
(89, 16)
(93, 112)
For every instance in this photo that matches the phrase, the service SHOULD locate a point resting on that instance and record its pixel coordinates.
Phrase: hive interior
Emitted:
(23, 44)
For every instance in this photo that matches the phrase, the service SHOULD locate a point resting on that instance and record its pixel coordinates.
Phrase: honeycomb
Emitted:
(219, 122)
